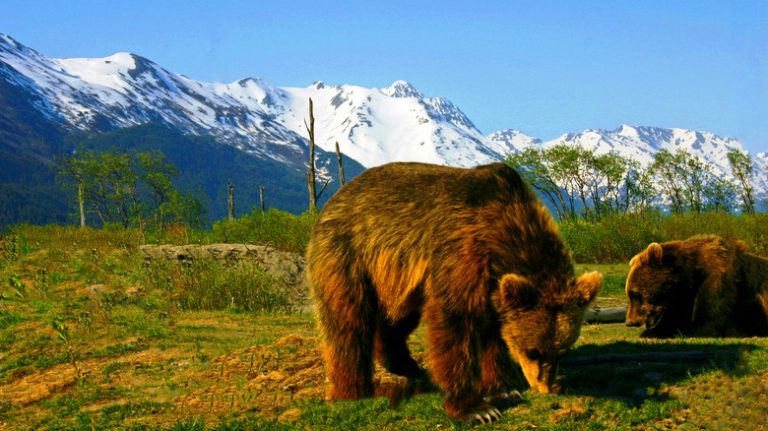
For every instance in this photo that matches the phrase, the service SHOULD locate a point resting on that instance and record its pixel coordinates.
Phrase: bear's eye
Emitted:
(635, 296)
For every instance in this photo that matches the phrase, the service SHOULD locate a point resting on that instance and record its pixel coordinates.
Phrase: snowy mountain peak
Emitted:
(10, 43)
(372, 125)
(402, 88)
(245, 82)
(514, 138)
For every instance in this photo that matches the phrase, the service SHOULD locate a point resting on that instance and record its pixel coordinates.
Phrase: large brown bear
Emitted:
(471, 252)
(703, 286)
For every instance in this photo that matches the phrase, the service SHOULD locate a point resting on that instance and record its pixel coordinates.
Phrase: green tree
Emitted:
(696, 175)
(668, 170)
(639, 189)
(741, 168)
(106, 183)
(138, 190)
(535, 170)
(719, 195)
(156, 175)
(611, 170)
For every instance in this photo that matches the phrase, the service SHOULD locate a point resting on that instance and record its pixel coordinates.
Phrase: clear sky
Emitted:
(542, 67)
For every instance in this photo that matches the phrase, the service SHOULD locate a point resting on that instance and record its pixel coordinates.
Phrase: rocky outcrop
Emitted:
(281, 265)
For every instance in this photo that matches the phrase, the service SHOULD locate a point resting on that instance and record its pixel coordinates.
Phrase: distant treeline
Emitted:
(576, 182)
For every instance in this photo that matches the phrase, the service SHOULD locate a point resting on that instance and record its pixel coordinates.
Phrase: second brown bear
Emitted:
(704, 286)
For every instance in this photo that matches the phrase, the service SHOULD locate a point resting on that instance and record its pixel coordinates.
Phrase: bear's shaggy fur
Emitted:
(472, 253)
(703, 286)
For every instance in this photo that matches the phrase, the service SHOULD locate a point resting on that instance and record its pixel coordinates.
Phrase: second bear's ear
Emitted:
(655, 253)
(588, 285)
(518, 292)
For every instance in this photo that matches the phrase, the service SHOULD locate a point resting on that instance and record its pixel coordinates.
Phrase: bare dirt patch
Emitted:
(42, 384)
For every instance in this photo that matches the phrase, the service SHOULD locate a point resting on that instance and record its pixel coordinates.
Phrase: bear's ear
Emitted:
(655, 253)
(652, 255)
(587, 285)
(518, 292)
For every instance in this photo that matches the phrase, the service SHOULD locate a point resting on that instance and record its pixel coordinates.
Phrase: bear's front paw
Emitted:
(483, 415)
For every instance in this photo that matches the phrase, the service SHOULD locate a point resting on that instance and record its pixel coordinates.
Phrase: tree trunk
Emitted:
(341, 166)
(81, 204)
(230, 201)
(261, 199)
(311, 173)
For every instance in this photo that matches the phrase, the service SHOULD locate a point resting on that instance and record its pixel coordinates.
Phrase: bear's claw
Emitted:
(484, 416)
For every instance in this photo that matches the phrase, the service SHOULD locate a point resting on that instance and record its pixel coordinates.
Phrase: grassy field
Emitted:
(91, 338)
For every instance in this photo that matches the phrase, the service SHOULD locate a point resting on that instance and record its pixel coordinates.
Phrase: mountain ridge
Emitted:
(373, 126)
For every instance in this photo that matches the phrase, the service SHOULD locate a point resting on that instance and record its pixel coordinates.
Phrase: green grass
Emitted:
(150, 359)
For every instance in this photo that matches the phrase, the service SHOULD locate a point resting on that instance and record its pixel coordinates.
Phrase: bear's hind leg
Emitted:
(348, 319)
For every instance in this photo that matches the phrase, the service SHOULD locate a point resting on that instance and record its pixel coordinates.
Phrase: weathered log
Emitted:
(687, 356)
(605, 314)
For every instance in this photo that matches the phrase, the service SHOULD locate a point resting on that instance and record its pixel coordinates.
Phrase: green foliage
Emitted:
(741, 168)
(278, 228)
(206, 166)
(125, 189)
(213, 285)
(575, 181)
(614, 238)
(618, 237)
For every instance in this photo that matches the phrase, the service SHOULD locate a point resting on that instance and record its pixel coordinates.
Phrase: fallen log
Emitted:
(605, 315)
(687, 356)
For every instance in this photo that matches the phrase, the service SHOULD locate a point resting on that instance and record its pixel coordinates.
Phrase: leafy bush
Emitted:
(614, 238)
(618, 237)
(750, 228)
(277, 228)
(211, 285)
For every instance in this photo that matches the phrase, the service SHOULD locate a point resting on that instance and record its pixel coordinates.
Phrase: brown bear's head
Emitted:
(661, 289)
(541, 319)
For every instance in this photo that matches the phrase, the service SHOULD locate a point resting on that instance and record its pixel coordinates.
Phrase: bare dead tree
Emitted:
(81, 204)
(314, 195)
(230, 201)
(341, 166)
(261, 198)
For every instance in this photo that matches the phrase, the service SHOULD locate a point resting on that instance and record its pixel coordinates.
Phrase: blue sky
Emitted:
(542, 67)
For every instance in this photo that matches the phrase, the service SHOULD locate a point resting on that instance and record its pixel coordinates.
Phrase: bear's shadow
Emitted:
(635, 372)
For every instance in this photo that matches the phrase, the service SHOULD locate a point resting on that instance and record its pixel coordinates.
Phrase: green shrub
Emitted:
(277, 228)
(752, 229)
(212, 285)
(615, 238)
(618, 237)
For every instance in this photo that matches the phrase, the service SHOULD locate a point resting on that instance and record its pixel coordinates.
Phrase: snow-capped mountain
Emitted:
(126, 90)
(372, 125)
